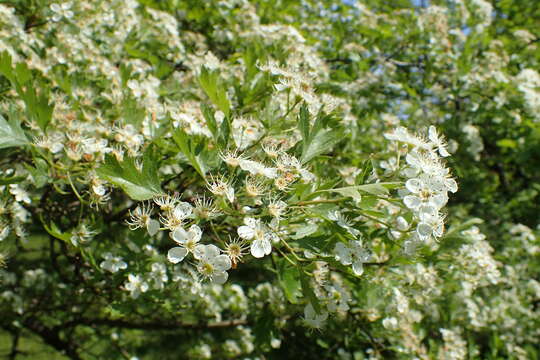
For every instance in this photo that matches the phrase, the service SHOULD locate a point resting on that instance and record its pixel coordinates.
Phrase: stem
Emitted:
(322, 201)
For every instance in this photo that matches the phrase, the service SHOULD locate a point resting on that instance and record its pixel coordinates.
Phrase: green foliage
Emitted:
(236, 174)
(139, 182)
(318, 139)
(11, 134)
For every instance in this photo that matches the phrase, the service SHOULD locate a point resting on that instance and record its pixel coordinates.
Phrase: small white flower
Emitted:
(141, 217)
(205, 208)
(259, 233)
(61, 11)
(343, 222)
(4, 230)
(438, 141)
(338, 298)
(159, 275)
(20, 194)
(353, 253)
(112, 263)
(212, 264)
(175, 218)
(188, 241)
(136, 285)
(219, 186)
(82, 234)
(254, 187)
(167, 202)
(390, 323)
(277, 208)
(232, 158)
(256, 168)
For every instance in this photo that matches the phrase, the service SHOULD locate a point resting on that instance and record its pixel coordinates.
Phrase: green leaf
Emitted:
(290, 282)
(210, 120)
(11, 134)
(54, 231)
(316, 244)
(140, 184)
(189, 149)
(507, 143)
(315, 141)
(303, 124)
(35, 95)
(214, 89)
(5, 66)
(323, 142)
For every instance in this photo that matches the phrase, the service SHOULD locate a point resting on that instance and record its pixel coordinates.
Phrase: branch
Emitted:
(153, 325)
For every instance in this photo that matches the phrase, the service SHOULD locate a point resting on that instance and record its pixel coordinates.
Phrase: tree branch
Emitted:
(153, 325)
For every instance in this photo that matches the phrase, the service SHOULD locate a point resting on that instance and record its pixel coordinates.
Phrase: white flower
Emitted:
(140, 217)
(256, 168)
(390, 323)
(135, 87)
(167, 202)
(20, 194)
(212, 264)
(159, 275)
(262, 237)
(136, 285)
(60, 11)
(232, 158)
(112, 263)
(82, 234)
(219, 186)
(205, 208)
(245, 132)
(4, 230)
(175, 218)
(254, 187)
(187, 240)
(353, 253)
(338, 298)
(438, 141)
(342, 221)
(277, 208)
(402, 134)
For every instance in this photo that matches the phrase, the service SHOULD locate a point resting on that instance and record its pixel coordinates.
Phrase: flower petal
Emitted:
(358, 267)
(222, 263)
(180, 235)
(220, 277)
(176, 254)
(259, 248)
(342, 253)
(246, 232)
(152, 227)
(195, 233)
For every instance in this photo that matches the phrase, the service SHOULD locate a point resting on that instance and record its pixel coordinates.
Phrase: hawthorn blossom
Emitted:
(187, 240)
(353, 253)
(260, 235)
(136, 285)
(212, 264)
(61, 11)
(141, 217)
(112, 263)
